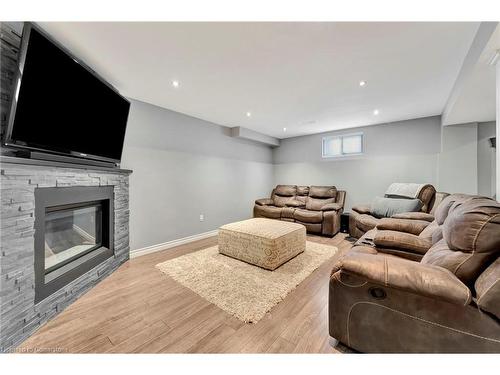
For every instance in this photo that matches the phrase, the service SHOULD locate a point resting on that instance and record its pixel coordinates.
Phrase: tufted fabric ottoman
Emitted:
(266, 243)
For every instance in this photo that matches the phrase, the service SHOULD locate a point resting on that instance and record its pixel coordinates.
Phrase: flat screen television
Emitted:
(61, 106)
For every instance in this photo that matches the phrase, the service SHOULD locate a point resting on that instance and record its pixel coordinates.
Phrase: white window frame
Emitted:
(341, 137)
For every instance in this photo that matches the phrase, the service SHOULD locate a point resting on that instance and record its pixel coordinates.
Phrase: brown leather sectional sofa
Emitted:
(318, 208)
(361, 220)
(449, 301)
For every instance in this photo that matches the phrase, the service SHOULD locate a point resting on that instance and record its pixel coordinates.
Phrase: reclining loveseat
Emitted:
(318, 208)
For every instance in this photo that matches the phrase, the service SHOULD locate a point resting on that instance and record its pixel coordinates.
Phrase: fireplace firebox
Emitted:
(74, 229)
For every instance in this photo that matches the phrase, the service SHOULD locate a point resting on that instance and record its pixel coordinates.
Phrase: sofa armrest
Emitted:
(340, 198)
(403, 225)
(402, 241)
(414, 216)
(362, 208)
(427, 280)
(264, 202)
(331, 207)
(295, 203)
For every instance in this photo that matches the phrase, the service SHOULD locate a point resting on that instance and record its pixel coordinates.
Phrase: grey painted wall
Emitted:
(486, 159)
(405, 151)
(457, 162)
(184, 167)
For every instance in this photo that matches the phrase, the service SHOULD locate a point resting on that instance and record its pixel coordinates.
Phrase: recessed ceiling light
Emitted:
(284, 129)
(362, 83)
(249, 114)
(175, 83)
(376, 112)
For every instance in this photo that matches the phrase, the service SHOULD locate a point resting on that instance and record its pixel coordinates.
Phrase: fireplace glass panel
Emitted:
(71, 232)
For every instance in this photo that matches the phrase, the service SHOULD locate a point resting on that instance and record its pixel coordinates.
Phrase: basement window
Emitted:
(343, 145)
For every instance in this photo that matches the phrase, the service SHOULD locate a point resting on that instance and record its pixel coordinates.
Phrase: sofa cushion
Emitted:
(438, 198)
(315, 204)
(301, 198)
(322, 192)
(444, 207)
(280, 201)
(303, 190)
(473, 229)
(285, 190)
(386, 207)
(270, 212)
(441, 255)
(366, 222)
(307, 216)
(471, 239)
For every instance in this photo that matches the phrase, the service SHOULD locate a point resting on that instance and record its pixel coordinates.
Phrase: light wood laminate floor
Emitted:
(139, 309)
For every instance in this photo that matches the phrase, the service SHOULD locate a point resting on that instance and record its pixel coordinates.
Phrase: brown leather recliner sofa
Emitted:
(318, 208)
(447, 302)
(361, 220)
(410, 235)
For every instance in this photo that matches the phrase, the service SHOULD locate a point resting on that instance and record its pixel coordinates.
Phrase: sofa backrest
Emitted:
(427, 195)
(315, 197)
(488, 289)
(438, 198)
(471, 237)
(433, 232)
(283, 194)
(302, 193)
(319, 196)
(452, 200)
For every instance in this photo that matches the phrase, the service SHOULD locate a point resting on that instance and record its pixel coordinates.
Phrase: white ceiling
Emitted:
(302, 76)
(476, 100)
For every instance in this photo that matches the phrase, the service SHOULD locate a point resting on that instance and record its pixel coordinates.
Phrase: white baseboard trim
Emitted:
(169, 244)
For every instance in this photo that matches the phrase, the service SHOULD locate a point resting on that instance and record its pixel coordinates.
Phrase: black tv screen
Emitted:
(61, 106)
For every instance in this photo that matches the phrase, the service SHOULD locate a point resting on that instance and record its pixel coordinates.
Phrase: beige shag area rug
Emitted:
(243, 290)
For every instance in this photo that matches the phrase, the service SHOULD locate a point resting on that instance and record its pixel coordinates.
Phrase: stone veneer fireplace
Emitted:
(63, 229)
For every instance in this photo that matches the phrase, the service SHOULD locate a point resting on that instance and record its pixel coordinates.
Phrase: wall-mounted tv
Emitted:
(61, 106)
